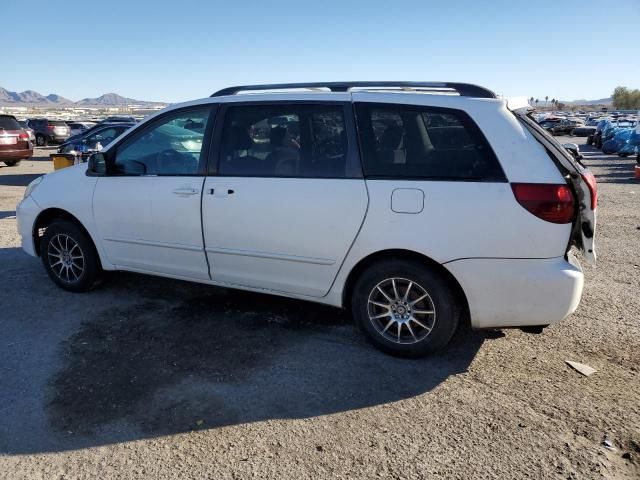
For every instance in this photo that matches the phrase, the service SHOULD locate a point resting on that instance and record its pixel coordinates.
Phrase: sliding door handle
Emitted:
(185, 192)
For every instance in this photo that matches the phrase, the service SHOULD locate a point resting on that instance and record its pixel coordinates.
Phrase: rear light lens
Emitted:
(550, 202)
(590, 180)
(23, 136)
(50, 127)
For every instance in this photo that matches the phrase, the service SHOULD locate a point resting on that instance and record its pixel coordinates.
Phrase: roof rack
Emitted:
(462, 89)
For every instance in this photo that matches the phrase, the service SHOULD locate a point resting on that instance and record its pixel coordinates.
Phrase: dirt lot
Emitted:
(156, 378)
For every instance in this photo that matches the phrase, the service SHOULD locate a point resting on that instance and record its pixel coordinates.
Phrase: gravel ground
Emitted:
(155, 378)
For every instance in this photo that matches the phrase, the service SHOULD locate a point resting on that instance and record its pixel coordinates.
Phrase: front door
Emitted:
(288, 199)
(148, 207)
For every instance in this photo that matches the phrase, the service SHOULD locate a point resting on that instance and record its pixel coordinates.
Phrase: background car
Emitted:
(49, 131)
(29, 130)
(94, 140)
(78, 128)
(566, 126)
(550, 122)
(14, 141)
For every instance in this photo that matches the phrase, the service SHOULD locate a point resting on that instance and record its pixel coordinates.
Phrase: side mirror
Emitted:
(97, 164)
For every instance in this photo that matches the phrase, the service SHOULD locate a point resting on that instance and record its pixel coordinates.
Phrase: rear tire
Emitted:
(404, 308)
(69, 257)
(41, 141)
(12, 163)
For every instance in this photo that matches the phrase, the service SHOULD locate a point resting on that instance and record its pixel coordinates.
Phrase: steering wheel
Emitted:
(170, 160)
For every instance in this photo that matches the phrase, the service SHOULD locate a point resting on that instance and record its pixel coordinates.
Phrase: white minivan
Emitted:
(412, 204)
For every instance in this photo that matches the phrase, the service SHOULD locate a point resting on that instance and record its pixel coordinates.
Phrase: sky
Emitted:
(175, 51)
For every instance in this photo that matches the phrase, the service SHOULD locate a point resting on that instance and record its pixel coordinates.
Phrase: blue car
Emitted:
(617, 141)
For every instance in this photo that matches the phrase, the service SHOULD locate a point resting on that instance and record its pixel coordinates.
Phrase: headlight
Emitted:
(32, 186)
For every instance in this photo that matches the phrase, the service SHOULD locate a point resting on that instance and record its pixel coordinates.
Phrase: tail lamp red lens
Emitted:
(23, 136)
(590, 180)
(550, 202)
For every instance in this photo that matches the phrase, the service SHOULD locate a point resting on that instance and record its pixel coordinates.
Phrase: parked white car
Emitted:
(415, 205)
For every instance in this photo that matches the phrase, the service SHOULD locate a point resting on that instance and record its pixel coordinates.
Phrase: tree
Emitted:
(546, 99)
(537, 102)
(531, 101)
(626, 99)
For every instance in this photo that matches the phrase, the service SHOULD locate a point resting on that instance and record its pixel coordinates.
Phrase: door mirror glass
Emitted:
(97, 164)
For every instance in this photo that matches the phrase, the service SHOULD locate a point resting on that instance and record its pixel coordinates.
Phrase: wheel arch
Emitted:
(46, 217)
(410, 255)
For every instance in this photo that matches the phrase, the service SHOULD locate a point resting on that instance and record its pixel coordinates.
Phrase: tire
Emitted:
(590, 140)
(425, 332)
(12, 163)
(61, 238)
(41, 141)
(623, 155)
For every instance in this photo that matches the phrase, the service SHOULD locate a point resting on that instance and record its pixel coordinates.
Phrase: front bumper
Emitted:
(26, 213)
(518, 292)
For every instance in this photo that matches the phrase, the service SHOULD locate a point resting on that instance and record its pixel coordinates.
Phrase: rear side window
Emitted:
(9, 123)
(416, 142)
(57, 123)
(284, 141)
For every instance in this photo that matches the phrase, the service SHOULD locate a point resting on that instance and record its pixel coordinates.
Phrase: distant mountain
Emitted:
(58, 99)
(599, 101)
(34, 99)
(109, 99)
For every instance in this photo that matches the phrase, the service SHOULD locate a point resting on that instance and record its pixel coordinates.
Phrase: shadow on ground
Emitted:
(18, 180)
(185, 356)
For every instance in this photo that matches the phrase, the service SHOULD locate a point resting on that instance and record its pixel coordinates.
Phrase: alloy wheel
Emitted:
(66, 258)
(401, 310)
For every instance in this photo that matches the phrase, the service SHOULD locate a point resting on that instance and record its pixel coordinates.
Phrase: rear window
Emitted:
(9, 123)
(407, 141)
(57, 123)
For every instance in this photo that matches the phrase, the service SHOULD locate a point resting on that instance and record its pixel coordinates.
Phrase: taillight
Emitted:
(590, 180)
(23, 136)
(550, 202)
(50, 127)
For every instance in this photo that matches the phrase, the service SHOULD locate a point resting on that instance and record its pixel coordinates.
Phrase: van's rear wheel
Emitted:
(404, 308)
(69, 256)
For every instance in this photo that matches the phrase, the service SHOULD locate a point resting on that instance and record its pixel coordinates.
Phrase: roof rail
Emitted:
(462, 89)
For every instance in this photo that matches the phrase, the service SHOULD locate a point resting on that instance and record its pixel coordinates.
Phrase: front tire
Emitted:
(12, 163)
(41, 141)
(404, 308)
(69, 257)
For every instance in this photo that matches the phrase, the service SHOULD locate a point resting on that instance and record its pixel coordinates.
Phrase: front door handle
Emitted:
(185, 192)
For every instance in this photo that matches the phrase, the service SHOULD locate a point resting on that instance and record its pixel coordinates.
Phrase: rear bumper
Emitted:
(518, 292)
(16, 154)
(57, 139)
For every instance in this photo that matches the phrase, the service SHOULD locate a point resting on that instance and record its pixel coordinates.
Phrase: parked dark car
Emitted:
(79, 137)
(566, 126)
(14, 141)
(94, 140)
(49, 131)
(596, 139)
(549, 123)
(587, 130)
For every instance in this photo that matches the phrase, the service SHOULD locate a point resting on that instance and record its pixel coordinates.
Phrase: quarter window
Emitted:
(171, 147)
(284, 141)
(406, 141)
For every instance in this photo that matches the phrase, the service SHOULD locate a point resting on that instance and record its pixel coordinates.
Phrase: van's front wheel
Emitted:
(404, 309)
(69, 256)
